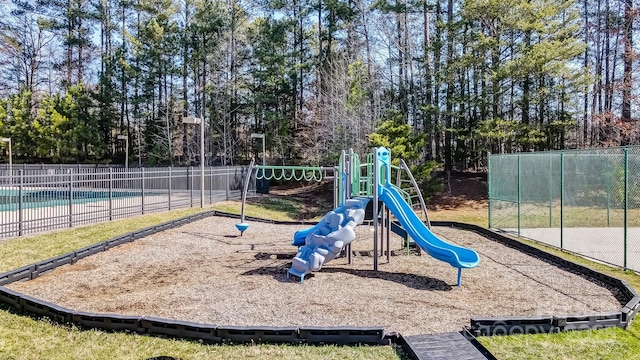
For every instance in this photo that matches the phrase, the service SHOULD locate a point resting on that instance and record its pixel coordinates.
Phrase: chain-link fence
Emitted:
(40, 199)
(584, 201)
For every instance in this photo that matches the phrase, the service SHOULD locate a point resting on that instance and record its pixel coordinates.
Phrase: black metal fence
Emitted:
(39, 198)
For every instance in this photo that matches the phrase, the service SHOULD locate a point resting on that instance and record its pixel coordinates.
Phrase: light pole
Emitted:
(195, 120)
(126, 151)
(260, 136)
(8, 140)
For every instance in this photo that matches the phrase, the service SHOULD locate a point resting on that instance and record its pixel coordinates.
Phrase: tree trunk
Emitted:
(448, 160)
(627, 79)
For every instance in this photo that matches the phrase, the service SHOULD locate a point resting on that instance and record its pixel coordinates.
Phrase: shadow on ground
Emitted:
(418, 282)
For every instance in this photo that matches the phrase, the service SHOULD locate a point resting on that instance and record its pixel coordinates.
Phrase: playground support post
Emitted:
(344, 190)
(343, 177)
(246, 188)
(383, 219)
(376, 174)
(336, 187)
(388, 224)
(349, 166)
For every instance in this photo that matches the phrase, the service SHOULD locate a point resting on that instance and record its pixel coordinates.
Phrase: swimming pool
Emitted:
(35, 198)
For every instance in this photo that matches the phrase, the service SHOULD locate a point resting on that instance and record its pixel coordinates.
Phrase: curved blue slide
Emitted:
(456, 256)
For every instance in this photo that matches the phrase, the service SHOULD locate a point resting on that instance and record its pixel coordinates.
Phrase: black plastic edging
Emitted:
(180, 329)
(184, 329)
(164, 327)
(344, 335)
(525, 325)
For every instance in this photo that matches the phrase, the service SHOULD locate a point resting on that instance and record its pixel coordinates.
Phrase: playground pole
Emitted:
(345, 176)
(376, 170)
(388, 236)
(242, 226)
(349, 166)
(336, 187)
(383, 221)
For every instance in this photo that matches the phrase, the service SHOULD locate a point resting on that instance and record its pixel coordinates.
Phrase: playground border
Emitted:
(212, 333)
(31, 306)
(490, 326)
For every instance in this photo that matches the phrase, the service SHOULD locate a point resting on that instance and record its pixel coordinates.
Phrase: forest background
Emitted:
(443, 83)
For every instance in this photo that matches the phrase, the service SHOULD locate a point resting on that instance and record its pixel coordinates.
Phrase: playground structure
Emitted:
(324, 241)
(352, 191)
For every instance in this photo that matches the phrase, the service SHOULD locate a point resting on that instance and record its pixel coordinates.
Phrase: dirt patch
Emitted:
(461, 191)
(205, 272)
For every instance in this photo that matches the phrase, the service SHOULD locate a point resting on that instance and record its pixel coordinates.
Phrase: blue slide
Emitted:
(456, 256)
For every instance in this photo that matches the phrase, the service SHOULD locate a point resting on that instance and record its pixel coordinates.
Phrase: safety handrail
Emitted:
(415, 184)
(405, 195)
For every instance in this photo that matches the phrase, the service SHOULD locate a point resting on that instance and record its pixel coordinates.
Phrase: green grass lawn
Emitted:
(26, 338)
(542, 215)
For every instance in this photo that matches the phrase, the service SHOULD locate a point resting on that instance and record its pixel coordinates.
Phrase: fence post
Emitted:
(626, 202)
(227, 186)
(488, 188)
(70, 197)
(110, 194)
(190, 185)
(608, 205)
(169, 187)
(20, 203)
(142, 175)
(211, 185)
(518, 195)
(550, 190)
(561, 199)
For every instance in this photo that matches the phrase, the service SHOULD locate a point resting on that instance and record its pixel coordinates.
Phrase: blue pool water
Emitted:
(10, 199)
